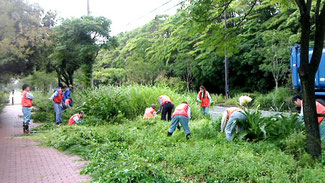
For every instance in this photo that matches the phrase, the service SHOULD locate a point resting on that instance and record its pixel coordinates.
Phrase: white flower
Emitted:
(243, 100)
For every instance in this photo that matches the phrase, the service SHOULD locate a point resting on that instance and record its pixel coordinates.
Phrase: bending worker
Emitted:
(181, 115)
(204, 98)
(76, 118)
(167, 105)
(231, 116)
(67, 100)
(150, 112)
(297, 100)
(57, 103)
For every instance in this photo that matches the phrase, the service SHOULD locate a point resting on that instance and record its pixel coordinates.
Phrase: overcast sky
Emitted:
(124, 14)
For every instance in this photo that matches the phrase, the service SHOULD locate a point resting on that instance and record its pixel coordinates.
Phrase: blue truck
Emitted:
(320, 75)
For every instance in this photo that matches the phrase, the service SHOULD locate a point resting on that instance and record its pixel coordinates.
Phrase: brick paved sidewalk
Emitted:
(23, 161)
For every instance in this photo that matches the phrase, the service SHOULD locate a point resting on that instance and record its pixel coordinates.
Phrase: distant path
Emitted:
(22, 160)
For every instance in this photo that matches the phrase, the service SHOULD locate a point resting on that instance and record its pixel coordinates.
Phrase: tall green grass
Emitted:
(111, 103)
(114, 104)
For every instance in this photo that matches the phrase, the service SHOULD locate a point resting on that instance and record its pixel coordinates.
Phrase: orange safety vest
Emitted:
(321, 110)
(58, 99)
(165, 99)
(72, 121)
(149, 113)
(231, 110)
(205, 100)
(181, 110)
(26, 102)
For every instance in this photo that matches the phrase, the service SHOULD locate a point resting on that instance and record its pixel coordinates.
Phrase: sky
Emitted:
(125, 15)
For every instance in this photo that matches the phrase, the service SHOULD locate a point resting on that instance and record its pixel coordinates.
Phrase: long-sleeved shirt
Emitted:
(67, 94)
(29, 95)
(55, 94)
(189, 112)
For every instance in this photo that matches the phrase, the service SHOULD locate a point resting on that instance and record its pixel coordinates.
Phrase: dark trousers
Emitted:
(167, 109)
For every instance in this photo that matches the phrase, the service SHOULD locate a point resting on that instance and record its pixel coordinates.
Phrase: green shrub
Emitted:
(277, 100)
(42, 103)
(113, 104)
(258, 127)
(41, 117)
(218, 98)
(45, 110)
(4, 99)
(172, 82)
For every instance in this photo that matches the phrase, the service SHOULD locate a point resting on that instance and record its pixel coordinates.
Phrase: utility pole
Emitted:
(88, 9)
(91, 79)
(226, 63)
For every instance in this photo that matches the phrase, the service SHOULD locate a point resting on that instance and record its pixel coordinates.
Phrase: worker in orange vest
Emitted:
(57, 103)
(27, 103)
(150, 112)
(320, 108)
(182, 114)
(204, 98)
(167, 107)
(76, 118)
(231, 116)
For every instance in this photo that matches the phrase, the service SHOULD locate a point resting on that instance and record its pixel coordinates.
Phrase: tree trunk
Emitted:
(59, 79)
(70, 79)
(310, 116)
(307, 73)
(276, 84)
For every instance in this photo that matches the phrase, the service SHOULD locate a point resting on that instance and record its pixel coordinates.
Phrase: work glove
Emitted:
(159, 111)
(199, 101)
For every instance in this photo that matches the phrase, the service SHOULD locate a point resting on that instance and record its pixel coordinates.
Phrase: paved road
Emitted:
(22, 160)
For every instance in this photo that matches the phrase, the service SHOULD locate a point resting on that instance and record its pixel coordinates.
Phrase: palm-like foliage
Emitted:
(258, 127)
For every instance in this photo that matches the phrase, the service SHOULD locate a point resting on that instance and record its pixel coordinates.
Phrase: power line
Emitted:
(172, 7)
(143, 16)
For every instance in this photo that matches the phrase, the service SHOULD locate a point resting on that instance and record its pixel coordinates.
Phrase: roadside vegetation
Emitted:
(4, 99)
(122, 147)
(173, 55)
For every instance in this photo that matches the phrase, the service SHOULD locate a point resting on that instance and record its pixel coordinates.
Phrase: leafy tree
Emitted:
(110, 76)
(77, 43)
(191, 45)
(24, 36)
(41, 81)
(277, 54)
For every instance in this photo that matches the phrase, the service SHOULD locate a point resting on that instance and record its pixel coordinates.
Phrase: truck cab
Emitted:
(319, 77)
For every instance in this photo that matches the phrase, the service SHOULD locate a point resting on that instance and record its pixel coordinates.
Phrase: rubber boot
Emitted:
(188, 136)
(26, 130)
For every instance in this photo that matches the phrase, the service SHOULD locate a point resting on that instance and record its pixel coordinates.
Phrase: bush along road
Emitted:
(122, 147)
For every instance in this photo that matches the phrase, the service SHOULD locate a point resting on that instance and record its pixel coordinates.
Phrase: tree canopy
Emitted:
(77, 42)
(191, 45)
(24, 36)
